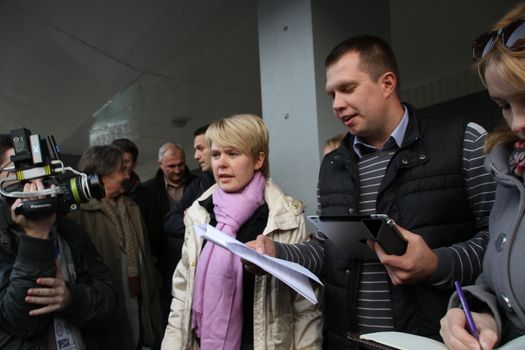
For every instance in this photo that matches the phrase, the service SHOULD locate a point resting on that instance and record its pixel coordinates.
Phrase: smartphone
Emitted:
(385, 232)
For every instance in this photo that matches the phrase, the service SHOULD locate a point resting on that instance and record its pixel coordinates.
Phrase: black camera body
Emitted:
(31, 151)
(39, 158)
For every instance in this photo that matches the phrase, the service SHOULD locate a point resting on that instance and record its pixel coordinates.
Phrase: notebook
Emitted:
(406, 341)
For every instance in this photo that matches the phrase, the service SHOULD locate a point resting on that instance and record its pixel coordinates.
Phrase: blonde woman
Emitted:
(216, 303)
(333, 143)
(497, 299)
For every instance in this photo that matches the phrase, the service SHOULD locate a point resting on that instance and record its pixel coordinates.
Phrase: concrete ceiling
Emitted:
(134, 64)
(90, 71)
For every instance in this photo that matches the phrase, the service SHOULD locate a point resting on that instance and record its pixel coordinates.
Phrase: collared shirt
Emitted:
(361, 147)
(174, 192)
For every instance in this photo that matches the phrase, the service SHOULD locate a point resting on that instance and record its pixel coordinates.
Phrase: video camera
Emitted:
(65, 188)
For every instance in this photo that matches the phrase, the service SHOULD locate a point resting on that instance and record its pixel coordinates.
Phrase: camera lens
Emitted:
(96, 186)
(82, 190)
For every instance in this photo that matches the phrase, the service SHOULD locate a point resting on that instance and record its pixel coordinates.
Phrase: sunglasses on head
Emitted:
(512, 37)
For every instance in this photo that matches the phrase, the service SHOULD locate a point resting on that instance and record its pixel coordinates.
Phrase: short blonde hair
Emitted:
(508, 64)
(335, 142)
(247, 133)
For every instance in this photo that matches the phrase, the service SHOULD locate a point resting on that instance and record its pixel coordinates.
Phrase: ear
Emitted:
(260, 161)
(389, 83)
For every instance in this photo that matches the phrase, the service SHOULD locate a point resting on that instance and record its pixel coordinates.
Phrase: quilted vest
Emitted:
(423, 191)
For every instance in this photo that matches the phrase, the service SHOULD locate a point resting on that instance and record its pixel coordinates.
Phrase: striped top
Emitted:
(461, 261)
(374, 309)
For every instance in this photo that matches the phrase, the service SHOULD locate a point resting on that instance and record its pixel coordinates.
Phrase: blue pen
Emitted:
(466, 310)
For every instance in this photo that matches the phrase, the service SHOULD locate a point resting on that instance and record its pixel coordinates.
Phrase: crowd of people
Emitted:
(128, 271)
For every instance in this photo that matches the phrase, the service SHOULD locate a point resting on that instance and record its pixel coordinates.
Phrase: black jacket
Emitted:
(149, 208)
(158, 187)
(423, 191)
(174, 221)
(22, 259)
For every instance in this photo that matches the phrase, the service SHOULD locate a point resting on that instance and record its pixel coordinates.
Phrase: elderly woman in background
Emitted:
(117, 229)
(216, 304)
(498, 297)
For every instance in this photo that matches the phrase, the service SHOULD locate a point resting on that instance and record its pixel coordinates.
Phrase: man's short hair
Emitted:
(170, 148)
(102, 160)
(201, 130)
(375, 55)
(127, 146)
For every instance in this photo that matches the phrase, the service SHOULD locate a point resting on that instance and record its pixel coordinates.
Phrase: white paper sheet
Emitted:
(405, 341)
(294, 275)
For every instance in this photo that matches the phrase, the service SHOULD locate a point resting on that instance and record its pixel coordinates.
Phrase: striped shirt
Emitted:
(374, 309)
(461, 261)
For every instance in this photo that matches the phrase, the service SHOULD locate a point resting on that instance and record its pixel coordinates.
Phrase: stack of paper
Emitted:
(294, 275)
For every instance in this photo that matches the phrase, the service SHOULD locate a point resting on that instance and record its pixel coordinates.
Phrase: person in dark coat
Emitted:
(172, 178)
(174, 221)
(51, 278)
(425, 174)
(168, 186)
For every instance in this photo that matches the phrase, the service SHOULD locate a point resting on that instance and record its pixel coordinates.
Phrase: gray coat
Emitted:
(501, 286)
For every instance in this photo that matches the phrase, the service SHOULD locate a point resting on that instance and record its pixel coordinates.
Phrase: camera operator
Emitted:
(55, 291)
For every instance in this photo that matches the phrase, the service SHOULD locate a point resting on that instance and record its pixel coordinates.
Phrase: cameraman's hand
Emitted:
(55, 294)
(36, 228)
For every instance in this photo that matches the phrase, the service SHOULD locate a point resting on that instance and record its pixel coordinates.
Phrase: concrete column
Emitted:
(294, 38)
(288, 94)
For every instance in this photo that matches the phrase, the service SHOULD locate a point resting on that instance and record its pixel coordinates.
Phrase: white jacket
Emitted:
(282, 318)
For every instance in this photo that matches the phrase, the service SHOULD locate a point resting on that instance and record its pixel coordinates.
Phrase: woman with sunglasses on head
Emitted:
(498, 297)
(216, 304)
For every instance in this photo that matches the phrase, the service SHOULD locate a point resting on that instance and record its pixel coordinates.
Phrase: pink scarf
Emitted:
(217, 298)
(517, 159)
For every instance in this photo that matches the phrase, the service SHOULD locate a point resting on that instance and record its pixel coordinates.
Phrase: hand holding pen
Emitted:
(466, 309)
(457, 332)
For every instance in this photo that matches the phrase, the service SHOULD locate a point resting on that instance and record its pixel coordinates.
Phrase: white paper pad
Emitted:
(405, 341)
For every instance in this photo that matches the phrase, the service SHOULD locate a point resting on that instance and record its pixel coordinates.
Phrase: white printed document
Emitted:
(294, 275)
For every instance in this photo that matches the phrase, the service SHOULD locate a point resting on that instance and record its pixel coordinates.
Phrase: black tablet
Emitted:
(351, 232)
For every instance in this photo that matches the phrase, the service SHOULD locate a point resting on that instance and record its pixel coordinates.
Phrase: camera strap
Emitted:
(67, 337)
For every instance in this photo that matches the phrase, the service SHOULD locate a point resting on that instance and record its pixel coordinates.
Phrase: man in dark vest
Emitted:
(427, 175)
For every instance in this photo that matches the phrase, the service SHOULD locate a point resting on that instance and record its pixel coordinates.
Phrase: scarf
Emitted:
(517, 159)
(217, 299)
(121, 219)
